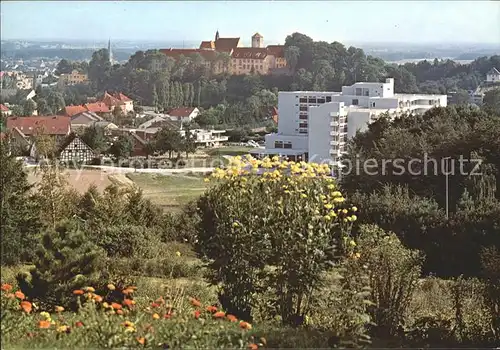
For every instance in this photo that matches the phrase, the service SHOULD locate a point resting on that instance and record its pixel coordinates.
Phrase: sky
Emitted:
(354, 21)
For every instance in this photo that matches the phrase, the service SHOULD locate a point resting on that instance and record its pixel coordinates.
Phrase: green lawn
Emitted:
(170, 192)
(229, 151)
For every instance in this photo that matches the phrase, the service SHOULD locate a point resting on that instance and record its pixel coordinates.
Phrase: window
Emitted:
(367, 92)
(373, 104)
(303, 131)
(278, 144)
(321, 100)
(303, 108)
(312, 99)
(303, 100)
(287, 145)
(355, 101)
(303, 116)
(358, 91)
(303, 125)
(328, 98)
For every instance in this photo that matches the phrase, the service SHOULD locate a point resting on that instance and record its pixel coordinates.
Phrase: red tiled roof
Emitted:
(181, 111)
(250, 52)
(176, 53)
(208, 45)
(3, 108)
(122, 97)
(111, 100)
(276, 50)
(51, 125)
(97, 107)
(73, 110)
(226, 44)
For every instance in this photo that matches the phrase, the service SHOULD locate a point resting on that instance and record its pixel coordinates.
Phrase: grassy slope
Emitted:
(170, 192)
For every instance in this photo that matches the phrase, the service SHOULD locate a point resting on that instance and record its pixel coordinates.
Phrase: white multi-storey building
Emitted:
(315, 126)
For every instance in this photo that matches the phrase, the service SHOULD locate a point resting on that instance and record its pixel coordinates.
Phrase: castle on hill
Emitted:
(227, 55)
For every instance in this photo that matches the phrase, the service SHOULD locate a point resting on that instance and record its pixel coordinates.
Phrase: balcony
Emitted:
(334, 123)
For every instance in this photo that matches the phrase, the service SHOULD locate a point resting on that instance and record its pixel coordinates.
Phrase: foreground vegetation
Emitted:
(304, 260)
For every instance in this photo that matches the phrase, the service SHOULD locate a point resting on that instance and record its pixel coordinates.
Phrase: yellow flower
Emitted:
(303, 195)
(105, 305)
(178, 253)
(354, 209)
(111, 286)
(206, 179)
(336, 194)
(327, 217)
(328, 206)
(235, 224)
(352, 243)
(156, 316)
(331, 186)
(357, 255)
(62, 329)
(89, 289)
(344, 211)
(339, 199)
(354, 218)
(45, 315)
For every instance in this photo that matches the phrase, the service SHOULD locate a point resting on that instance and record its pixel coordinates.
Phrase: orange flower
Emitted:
(141, 340)
(211, 309)
(245, 325)
(195, 302)
(97, 298)
(231, 318)
(78, 292)
(59, 309)
(156, 316)
(78, 324)
(19, 295)
(26, 306)
(253, 346)
(44, 324)
(119, 312)
(116, 306)
(197, 314)
(6, 287)
(219, 314)
(127, 291)
(128, 302)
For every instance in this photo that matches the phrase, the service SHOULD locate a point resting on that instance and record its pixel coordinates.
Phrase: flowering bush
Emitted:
(102, 323)
(272, 225)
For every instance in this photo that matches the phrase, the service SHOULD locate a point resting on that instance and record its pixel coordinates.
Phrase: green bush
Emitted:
(394, 274)
(280, 231)
(66, 260)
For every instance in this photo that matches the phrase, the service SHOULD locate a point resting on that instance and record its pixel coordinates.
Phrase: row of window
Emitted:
(250, 67)
(282, 144)
(318, 100)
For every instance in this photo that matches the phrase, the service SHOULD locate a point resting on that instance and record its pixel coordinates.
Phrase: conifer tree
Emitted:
(65, 261)
(18, 212)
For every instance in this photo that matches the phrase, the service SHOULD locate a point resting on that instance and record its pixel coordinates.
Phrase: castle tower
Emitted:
(217, 35)
(257, 40)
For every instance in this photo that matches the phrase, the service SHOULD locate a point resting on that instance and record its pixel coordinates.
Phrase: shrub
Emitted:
(394, 273)
(66, 261)
(276, 230)
(490, 261)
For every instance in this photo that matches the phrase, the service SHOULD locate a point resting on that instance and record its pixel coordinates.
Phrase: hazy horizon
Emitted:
(367, 22)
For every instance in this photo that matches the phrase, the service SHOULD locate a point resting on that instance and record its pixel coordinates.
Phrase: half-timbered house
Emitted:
(75, 150)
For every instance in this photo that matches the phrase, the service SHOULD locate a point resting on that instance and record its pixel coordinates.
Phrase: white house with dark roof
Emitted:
(493, 76)
(183, 114)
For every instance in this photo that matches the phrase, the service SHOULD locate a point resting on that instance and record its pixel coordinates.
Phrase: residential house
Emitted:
(73, 78)
(154, 120)
(98, 108)
(84, 119)
(139, 146)
(24, 129)
(118, 100)
(183, 114)
(493, 76)
(4, 111)
(71, 111)
(74, 149)
(207, 138)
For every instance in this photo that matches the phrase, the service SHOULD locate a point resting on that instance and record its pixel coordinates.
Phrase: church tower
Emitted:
(217, 35)
(110, 54)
